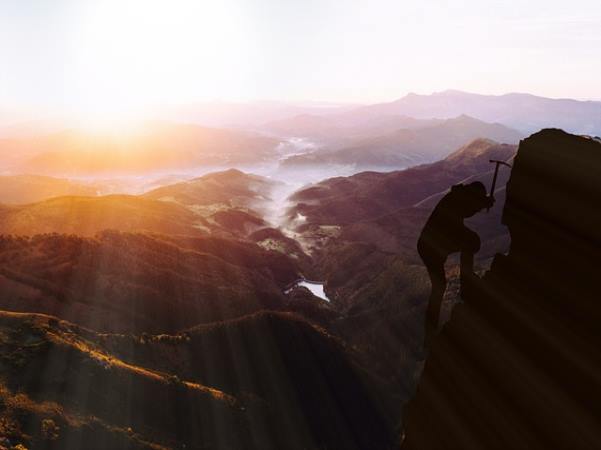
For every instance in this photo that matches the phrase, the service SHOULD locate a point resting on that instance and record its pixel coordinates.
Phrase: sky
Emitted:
(104, 56)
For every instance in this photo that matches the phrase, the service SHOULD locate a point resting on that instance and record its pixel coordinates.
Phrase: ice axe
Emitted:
(494, 178)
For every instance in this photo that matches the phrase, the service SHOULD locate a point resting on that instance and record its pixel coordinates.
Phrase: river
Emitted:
(315, 287)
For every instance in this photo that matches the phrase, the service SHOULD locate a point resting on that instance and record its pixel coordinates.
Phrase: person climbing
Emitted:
(445, 233)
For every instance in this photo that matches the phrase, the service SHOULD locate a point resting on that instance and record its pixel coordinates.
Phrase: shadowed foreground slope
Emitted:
(265, 381)
(136, 282)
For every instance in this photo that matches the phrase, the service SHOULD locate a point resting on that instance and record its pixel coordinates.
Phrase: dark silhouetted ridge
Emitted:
(266, 381)
(518, 365)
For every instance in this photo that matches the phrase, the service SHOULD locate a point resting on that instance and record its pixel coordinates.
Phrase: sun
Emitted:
(131, 55)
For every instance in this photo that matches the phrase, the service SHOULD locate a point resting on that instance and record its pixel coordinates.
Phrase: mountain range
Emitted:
(167, 293)
(174, 318)
(524, 112)
(224, 203)
(336, 130)
(173, 391)
(412, 130)
(408, 147)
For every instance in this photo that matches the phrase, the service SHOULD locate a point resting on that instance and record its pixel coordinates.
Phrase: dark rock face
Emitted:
(518, 365)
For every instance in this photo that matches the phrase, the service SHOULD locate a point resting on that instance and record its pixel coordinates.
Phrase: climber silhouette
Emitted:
(445, 233)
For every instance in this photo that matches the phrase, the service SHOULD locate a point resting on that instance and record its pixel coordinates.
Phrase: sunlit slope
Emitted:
(228, 203)
(19, 189)
(314, 391)
(133, 282)
(148, 147)
(231, 200)
(85, 216)
(231, 187)
(265, 381)
(91, 399)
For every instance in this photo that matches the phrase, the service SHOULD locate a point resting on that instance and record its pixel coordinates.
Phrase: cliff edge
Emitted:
(518, 365)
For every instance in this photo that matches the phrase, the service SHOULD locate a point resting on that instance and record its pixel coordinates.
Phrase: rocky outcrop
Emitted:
(518, 365)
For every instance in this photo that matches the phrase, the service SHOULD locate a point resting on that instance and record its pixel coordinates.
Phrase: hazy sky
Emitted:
(104, 55)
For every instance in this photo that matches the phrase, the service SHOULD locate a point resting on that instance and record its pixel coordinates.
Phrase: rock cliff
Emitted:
(518, 364)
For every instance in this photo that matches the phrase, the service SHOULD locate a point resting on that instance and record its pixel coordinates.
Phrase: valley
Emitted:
(300, 225)
(256, 286)
(216, 265)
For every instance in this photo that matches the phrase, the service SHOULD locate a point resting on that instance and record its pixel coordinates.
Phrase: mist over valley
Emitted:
(258, 262)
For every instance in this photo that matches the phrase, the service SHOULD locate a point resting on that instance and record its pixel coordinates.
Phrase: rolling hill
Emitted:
(19, 189)
(230, 187)
(86, 216)
(275, 381)
(229, 202)
(86, 394)
(135, 282)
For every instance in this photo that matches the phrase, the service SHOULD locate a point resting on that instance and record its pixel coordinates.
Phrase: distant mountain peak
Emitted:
(231, 172)
(227, 174)
(464, 118)
(452, 92)
(521, 111)
(474, 148)
(479, 152)
(446, 92)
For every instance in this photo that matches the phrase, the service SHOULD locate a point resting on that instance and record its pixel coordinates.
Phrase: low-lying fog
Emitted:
(288, 178)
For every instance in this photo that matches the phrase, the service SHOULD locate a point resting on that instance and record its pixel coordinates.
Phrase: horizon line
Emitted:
(63, 112)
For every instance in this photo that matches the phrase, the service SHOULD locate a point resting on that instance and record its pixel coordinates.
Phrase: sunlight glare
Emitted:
(136, 54)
